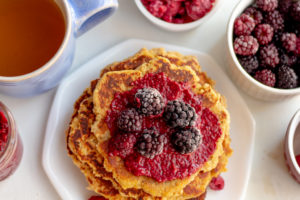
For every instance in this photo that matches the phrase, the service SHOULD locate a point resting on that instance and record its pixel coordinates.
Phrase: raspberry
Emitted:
(197, 8)
(295, 11)
(179, 114)
(264, 33)
(130, 120)
(298, 160)
(284, 6)
(268, 56)
(243, 25)
(289, 41)
(149, 101)
(267, 5)
(255, 14)
(245, 45)
(157, 8)
(217, 183)
(275, 19)
(151, 143)
(122, 145)
(286, 78)
(266, 77)
(249, 63)
(186, 140)
(288, 60)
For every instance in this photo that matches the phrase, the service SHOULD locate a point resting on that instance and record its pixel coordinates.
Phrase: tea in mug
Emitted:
(31, 33)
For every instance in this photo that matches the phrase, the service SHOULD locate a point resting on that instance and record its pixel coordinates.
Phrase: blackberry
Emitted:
(255, 14)
(179, 114)
(275, 19)
(289, 41)
(295, 11)
(149, 101)
(284, 6)
(151, 143)
(129, 120)
(267, 5)
(288, 60)
(268, 56)
(277, 38)
(245, 45)
(243, 25)
(186, 141)
(286, 78)
(264, 33)
(249, 63)
(266, 77)
(298, 47)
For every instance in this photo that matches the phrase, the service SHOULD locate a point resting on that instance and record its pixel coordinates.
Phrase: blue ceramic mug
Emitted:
(80, 16)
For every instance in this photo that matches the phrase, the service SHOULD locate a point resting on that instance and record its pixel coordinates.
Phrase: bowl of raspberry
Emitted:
(179, 15)
(263, 41)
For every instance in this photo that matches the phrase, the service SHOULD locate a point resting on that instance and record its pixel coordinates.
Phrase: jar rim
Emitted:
(11, 131)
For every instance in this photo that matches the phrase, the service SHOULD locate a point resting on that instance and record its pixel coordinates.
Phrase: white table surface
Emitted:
(269, 176)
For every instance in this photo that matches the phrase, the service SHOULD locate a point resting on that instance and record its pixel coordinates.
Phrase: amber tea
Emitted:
(31, 33)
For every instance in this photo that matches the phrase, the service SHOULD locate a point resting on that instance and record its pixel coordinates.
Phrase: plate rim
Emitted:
(48, 138)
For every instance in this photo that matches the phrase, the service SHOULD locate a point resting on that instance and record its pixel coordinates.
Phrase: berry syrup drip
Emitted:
(3, 132)
(169, 164)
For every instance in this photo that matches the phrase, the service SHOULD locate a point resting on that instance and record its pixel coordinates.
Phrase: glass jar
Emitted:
(12, 149)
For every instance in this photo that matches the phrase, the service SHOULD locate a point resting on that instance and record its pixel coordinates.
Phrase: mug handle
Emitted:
(88, 13)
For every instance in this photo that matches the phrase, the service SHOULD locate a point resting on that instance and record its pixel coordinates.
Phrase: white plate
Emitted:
(68, 180)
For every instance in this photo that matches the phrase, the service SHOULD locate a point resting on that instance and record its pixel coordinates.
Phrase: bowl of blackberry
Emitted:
(264, 48)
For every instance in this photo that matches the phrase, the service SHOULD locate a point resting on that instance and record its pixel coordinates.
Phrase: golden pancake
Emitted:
(88, 149)
(120, 81)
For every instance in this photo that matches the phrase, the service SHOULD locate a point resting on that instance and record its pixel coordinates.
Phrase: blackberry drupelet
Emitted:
(129, 120)
(149, 101)
(286, 78)
(186, 141)
(151, 143)
(179, 114)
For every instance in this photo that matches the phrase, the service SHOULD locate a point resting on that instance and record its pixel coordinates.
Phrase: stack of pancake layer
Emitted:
(88, 133)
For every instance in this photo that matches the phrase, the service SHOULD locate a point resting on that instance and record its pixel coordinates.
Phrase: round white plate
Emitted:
(67, 178)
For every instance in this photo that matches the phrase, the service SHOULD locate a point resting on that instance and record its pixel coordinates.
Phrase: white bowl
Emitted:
(291, 147)
(241, 77)
(177, 27)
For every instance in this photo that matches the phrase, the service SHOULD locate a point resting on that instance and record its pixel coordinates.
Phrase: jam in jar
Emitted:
(11, 147)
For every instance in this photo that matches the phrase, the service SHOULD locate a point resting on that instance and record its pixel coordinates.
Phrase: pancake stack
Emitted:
(88, 134)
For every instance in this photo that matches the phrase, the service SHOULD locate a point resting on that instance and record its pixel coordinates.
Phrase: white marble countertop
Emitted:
(269, 178)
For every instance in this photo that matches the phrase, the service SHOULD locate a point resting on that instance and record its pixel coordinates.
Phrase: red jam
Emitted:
(11, 148)
(3, 132)
(298, 159)
(169, 164)
(182, 11)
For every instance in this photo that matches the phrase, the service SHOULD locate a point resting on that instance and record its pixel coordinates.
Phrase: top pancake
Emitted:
(119, 81)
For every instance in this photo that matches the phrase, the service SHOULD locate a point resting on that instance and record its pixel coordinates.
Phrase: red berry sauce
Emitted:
(169, 164)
